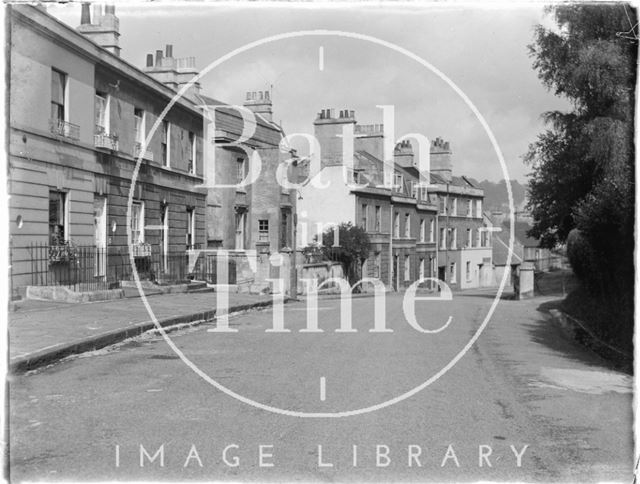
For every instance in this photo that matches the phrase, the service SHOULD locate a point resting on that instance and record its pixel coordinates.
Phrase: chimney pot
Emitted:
(248, 95)
(85, 16)
(149, 60)
(169, 51)
(353, 114)
(158, 57)
(110, 9)
(97, 13)
(266, 95)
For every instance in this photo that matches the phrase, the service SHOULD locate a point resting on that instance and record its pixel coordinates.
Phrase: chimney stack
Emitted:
(328, 131)
(104, 30)
(85, 16)
(97, 13)
(173, 72)
(441, 163)
(260, 103)
(403, 154)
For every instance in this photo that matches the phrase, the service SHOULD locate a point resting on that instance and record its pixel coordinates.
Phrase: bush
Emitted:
(582, 258)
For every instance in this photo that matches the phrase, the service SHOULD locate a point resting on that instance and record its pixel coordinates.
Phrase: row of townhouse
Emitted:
(79, 119)
(415, 232)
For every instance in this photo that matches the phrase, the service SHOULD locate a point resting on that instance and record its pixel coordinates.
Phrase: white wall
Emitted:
(332, 205)
(474, 256)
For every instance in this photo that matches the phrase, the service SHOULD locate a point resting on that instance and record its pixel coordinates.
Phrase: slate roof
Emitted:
(260, 120)
(459, 181)
(520, 230)
(500, 246)
(500, 242)
(364, 160)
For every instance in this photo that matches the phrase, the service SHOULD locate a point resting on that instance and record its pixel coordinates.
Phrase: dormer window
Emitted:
(398, 183)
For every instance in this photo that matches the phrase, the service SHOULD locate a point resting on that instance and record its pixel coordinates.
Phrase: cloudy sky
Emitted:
(483, 51)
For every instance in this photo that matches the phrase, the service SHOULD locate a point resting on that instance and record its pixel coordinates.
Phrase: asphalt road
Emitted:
(522, 404)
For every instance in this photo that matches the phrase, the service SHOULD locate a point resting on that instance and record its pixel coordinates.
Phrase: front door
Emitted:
(100, 235)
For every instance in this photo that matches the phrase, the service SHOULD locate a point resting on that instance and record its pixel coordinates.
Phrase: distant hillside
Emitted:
(496, 197)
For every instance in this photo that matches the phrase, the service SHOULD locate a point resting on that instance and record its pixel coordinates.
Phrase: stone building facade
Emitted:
(400, 221)
(464, 244)
(79, 119)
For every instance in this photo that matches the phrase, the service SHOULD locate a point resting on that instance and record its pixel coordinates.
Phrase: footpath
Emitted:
(42, 332)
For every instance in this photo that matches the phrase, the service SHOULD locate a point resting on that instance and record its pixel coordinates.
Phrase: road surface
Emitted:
(522, 404)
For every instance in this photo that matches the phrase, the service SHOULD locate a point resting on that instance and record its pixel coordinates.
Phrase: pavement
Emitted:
(42, 332)
(521, 389)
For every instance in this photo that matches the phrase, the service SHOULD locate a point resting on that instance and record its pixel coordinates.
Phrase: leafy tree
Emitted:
(352, 248)
(583, 164)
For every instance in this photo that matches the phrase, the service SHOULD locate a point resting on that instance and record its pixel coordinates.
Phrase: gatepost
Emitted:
(526, 280)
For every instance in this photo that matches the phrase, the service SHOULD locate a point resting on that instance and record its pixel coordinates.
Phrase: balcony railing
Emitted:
(137, 149)
(141, 250)
(106, 141)
(63, 128)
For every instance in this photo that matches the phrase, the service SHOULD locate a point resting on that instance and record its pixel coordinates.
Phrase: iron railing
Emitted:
(206, 269)
(90, 268)
(550, 263)
(106, 141)
(137, 149)
(63, 128)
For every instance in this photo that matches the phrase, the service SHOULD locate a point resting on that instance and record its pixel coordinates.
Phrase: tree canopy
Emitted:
(351, 249)
(583, 164)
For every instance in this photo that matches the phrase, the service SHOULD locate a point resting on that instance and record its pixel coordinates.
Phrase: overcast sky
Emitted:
(483, 51)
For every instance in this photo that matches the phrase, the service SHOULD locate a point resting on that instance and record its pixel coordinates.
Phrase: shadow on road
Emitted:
(505, 296)
(544, 332)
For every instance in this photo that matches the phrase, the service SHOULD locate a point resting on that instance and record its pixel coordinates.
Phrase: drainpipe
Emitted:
(436, 236)
(390, 243)
(293, 282)
(446, 236)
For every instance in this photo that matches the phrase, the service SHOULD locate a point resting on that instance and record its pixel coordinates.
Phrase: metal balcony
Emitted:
(137, 150)
(141, 250)
(106, 141)
(65, 129)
